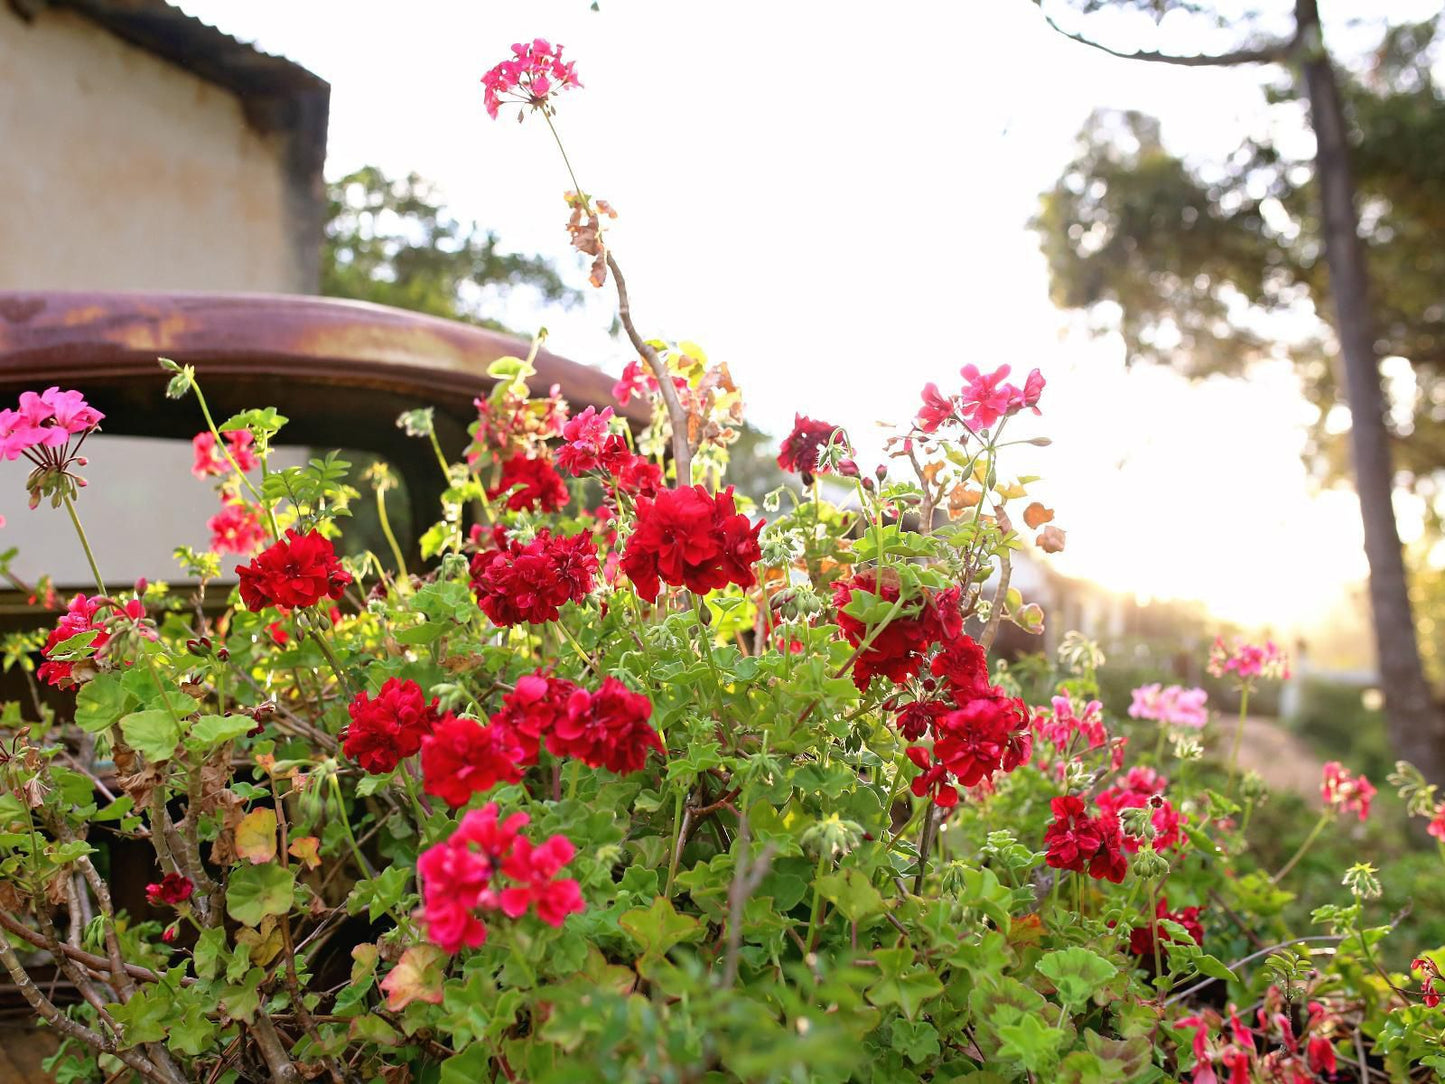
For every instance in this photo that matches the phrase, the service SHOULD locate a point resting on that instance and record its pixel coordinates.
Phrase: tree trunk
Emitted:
(1416, 727)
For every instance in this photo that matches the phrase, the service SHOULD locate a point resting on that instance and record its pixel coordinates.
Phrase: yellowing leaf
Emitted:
(416, 977)
(1011, 491)
(256, 836)
(306, 848)
(1036, 515)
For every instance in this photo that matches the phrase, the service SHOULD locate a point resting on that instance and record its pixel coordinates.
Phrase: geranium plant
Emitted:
(635, 781)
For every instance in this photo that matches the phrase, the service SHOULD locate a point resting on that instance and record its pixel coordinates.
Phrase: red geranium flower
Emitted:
(387, 730)
(1141, 939)
(79, 617)
(606, 729)
(211, 461)
(292, 573)
(691, 538)
(897, 651)
(461, 757)
(532, 709)
(530, 483)
(803, 447)
(1076, 841)
(985, 736)
(172, 890)
(517, 583)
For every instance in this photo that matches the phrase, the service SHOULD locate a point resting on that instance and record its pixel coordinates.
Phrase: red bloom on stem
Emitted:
(897, 650)
(1430, 975)
(488, 866)
(79, 616)
(937, 409)
(387, 730)
(461, 757)
(586, 436)
(236, 528)
(1141, 939)
(983, 737)
(1345, 791)
(532, 709)
(606, 729)
(690, 538)
(1436, 827)
(210, 461)
(933, 779)
(292, 573)
(530, 483)
(1076, 841)
(803, 447)
(516, 583)
(172, 890)
(635, 474)
(535, 73)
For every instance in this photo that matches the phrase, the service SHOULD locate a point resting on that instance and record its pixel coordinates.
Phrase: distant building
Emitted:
(147, 150)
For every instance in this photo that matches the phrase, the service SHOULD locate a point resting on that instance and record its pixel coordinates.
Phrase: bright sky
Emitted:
(833, 199)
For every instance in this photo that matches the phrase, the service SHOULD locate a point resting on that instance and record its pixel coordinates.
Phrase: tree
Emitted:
(394, 243)
(1192, 263)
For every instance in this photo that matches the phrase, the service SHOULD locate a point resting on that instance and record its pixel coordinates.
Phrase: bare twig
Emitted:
(747, 877)
(1272, 53)
(676, 415)
(995, 615)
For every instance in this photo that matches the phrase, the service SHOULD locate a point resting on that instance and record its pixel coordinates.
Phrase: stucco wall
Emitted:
(124, 171)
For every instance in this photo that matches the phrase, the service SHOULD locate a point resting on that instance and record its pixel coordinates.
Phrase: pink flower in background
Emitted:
(1059, 725)
(585, 434)
(1436, 826)
(1248, 661)
(236, 528)
(1172, 706)
(535, 72)
(1345, 791)
(211, 462)
(47, 419)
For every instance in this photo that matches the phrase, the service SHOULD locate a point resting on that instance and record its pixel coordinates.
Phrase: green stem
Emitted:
(441, 459)
(1325, 818)
(566, 162)
(391, 541)
(1159, 745)
(84, 544)
(346, 828)
(676, 843)
(817, 910)
(574, 773)
(231, 459)
(1154, 931)
(331, 658)
(894, 789)
(422, 812)
(1238, 734)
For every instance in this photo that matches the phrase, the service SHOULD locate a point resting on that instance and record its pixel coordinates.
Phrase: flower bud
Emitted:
(880, 472)
(1253, 787)
(223, 654)
(847, 468)
(1360, 879)
(832, 837)
(1149, 863)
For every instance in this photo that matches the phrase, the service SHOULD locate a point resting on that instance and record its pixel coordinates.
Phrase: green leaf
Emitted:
(1031, 1043)
(100, 702)
(917, 1040)
(850, 891)
(257, 891)
(153, 733)
(1209, 965)
(900, 984)
(211, 731)
(659, 927)
(210, 946)
(1076, 973)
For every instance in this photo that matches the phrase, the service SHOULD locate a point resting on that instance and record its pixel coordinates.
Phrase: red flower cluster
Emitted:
(586, 440)
(803, 447)
(236, 528)
(172, 890)
(608, 728)
(516, 583)
(462, 757)
(534, 73)
(1141, 939)
(210, 461)
(292, 573)
(387, 730)
(1345, 791)
(897, 651)
(1143, 787)
(488, 867)
(531, 483)
(79, 616)
(1430, 975)
(690, 538)
(971, 745)
(637, 380)
(1076, 841)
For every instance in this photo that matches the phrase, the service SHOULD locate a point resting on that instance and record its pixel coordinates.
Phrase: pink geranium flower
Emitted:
(535, 72)
(1172, 706)
(1345, 791)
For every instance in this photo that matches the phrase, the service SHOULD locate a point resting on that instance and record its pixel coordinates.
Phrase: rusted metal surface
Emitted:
(340, 370)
